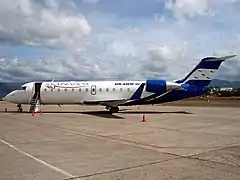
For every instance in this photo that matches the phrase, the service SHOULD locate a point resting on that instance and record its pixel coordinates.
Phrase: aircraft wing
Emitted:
(106, 102)
(113, 101)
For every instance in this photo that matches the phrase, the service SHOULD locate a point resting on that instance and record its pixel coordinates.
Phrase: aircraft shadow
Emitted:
(155, 112)
(102, 114)
(105, 114)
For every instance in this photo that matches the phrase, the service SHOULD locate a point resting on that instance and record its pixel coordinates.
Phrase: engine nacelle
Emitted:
(156, 86)
(162, 86)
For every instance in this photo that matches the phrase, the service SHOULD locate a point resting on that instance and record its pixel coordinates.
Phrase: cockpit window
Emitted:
(22, 88)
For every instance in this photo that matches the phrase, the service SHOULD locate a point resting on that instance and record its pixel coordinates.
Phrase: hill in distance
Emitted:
(223, 83)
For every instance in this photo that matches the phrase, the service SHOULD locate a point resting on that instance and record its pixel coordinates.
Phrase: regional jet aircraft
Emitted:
(113, 94)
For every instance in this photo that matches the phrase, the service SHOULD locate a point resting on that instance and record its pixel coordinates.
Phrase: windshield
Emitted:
(22, 88)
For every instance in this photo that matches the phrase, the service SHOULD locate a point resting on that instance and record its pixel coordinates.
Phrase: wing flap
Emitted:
(106, 102)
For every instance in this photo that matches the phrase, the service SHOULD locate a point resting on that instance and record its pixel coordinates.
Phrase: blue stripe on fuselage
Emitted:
(140, 101)
(175, 95)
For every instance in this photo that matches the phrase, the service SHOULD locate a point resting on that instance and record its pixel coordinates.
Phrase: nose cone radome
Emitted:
(9, 98)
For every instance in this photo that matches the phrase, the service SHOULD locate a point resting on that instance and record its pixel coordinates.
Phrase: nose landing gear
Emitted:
(20, 109)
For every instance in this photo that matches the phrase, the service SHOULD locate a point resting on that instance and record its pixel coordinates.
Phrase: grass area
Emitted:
(207, 102)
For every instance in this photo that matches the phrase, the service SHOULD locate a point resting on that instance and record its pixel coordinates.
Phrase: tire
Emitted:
(114, 109)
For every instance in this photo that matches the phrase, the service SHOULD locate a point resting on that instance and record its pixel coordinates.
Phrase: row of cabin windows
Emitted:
(80, 90)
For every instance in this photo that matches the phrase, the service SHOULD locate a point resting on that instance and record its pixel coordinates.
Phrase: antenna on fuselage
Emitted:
(53, 80)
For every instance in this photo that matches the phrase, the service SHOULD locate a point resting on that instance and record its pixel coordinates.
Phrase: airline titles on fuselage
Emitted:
(53, 85)
(127, 84)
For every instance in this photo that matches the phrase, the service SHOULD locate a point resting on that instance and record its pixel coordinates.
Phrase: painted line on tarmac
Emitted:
(38, 160)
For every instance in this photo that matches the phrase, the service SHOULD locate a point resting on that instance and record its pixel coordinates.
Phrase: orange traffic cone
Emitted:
(144, 118)
(41, 112)
(32, 113)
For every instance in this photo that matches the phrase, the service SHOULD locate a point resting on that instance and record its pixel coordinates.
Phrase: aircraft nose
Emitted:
(6, 98)
(9, 97)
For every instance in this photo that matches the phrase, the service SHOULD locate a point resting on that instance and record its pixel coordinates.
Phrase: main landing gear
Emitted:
(20, 109)
(113, 109)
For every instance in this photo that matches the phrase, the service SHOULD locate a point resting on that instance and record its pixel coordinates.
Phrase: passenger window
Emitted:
(100, 89)
(107, 89)
(128, 89)
(113, 89)
(121, 89)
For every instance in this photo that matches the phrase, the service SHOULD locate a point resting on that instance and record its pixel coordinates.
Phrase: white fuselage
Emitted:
(79, 92)
(75, 92)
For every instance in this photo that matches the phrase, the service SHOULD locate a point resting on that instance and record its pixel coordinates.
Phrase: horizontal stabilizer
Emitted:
(221, 58)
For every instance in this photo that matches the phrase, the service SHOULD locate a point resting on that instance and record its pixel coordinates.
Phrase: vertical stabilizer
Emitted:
(204, 72)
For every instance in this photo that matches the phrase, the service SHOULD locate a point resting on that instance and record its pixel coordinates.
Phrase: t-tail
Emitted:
(204, 72)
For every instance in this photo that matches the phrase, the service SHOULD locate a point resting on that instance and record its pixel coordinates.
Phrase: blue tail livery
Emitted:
(194, 84)
(203, 73)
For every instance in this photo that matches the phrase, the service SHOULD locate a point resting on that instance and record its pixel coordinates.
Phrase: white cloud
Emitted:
(189, 8)
(52, 4)
(116, 47)
(91, 1)
(30, 23)
(183, 9)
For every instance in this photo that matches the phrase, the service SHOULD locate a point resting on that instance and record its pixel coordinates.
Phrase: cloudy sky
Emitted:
(116, 39)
